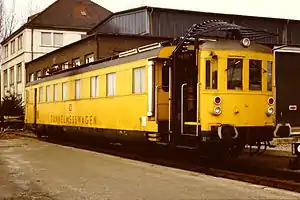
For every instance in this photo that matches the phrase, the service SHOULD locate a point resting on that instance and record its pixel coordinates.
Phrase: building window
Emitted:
(46, 39)
(55, 92)
(111, 84)
(31, 77)
(41, 94)
(65, 65)
(77, 89)
(19, 72)
(20, 42)
(94, 86)
(58, 39)
(76, 62)
(12, 47)
(270, 76)
(234, 73)
(89, 58)
(39, 74)
(48, 93)
(5, 77)
(139, 80)
(64, 91)
(255, 74)
(12, 75)
(6, 51)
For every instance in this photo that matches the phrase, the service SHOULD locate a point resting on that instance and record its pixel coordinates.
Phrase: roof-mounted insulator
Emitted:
(149, 47)
(128, 53)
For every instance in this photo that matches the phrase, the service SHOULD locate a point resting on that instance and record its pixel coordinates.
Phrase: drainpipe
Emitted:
(98, 51)
(31, 43)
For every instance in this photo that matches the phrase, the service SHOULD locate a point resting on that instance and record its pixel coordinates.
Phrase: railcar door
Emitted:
(162, 68)
(287, 87)
(185, 93)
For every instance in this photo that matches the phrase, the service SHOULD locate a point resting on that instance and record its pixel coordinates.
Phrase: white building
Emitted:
(62, 23)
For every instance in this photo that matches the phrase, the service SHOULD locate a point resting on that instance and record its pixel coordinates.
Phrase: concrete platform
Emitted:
(32, 169)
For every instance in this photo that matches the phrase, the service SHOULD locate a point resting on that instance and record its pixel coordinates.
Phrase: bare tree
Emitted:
(30, 10)
(8, 19)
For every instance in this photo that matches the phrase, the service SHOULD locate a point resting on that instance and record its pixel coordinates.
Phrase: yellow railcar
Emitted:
(152, 94)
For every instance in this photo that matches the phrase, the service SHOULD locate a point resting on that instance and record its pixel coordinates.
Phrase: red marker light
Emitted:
(271, 101)
(217, 100)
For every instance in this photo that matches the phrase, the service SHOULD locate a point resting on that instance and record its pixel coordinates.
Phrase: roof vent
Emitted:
(83, 13)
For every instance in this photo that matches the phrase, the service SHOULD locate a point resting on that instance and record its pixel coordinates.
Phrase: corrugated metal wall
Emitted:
(293, 29)
(170, 23)
(129, 23)
(173, 24)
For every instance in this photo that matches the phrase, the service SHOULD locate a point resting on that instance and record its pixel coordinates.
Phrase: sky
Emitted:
(287, 9)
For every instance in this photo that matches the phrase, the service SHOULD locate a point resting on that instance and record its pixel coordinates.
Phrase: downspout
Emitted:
(31, 43)
(98, 50)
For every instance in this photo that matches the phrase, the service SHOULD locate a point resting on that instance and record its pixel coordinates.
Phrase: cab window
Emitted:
(234, 73)
(255, 74)
(269, 75)
(211, 81)
(207, 72)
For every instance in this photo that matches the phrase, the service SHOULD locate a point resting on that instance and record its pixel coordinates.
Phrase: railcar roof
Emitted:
(98, 65)
(161, 52)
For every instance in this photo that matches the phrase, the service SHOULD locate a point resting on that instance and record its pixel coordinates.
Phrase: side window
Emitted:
(40, 94)
(234, 73)
(47, 93)
(94, 86)
(269, 75)
(111, 84)
(255, 74)
(139, 80)
(77, 89)
(165, 77)
(55, 92)
(64, 91)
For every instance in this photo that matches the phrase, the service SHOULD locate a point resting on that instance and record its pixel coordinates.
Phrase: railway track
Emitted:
(241, 170)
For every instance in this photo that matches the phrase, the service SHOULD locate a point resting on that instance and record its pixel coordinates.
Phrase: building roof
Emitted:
(76, 15)
(151, 8)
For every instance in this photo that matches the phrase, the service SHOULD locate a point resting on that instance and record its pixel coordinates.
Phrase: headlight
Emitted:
(270, 111)
(217, 110)
(245, 42)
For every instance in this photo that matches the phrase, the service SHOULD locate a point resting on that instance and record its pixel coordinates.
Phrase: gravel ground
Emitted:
(31, 169)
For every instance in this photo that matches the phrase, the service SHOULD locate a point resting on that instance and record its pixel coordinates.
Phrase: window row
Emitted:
(138, 87)
(18, 41)
(11, 74)
(235, 74)
(89, 58)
